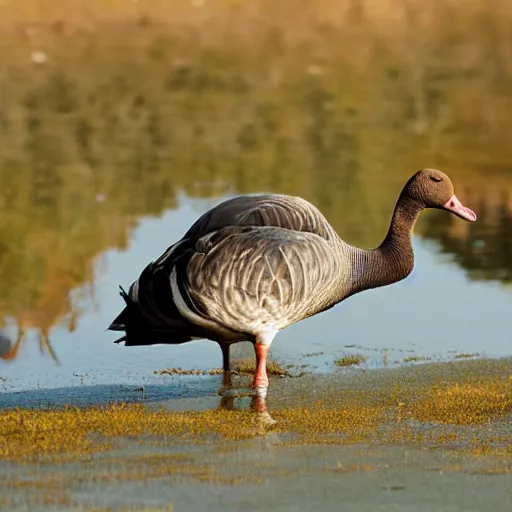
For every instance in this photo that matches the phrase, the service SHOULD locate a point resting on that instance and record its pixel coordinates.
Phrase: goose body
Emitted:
(254, 265)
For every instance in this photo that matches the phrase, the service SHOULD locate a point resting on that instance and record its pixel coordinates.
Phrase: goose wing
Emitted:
(283, 211)
(245, 280)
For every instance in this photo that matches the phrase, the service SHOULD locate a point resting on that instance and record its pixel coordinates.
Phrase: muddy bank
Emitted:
(429, 437)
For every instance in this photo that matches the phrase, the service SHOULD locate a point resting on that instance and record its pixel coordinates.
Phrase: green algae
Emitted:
(193, 371)
(416, 359)
(26, 434)
(242, 367)
(355, 416)
(248, 367)
(464, 403)
(428, 405)
(466, 355)
(367, 419)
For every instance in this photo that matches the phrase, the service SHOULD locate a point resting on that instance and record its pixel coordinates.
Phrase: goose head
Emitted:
(434, 189)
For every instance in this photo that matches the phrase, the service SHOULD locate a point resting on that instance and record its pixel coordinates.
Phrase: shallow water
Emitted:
(115, 138)
(438, 313)
(405, 464)
(108, 159)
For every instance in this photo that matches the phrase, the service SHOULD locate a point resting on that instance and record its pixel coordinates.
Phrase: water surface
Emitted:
(111, 152)
(437, 313)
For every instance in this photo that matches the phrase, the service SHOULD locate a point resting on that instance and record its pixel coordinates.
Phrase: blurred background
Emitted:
(121, 121)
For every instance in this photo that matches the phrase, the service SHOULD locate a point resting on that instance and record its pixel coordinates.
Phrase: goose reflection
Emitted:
(231, 396)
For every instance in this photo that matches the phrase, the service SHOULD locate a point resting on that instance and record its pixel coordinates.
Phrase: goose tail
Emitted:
(139, 332)
(127, 314)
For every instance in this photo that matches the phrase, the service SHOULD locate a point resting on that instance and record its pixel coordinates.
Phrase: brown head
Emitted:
(393, 260)
(434, 189)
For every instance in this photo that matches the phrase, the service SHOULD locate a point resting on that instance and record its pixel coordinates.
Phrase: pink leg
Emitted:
(261, 378)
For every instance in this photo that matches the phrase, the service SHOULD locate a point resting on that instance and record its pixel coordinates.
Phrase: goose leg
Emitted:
(226, 364)
(227, 403)
(225, 347)
(261, 345)
(261, 377)
(227, 381)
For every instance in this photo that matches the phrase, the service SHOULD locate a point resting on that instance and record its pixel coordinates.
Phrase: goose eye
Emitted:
(436, 179)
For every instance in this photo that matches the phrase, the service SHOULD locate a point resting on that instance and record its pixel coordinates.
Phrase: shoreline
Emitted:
(202, 382)
(372, 436)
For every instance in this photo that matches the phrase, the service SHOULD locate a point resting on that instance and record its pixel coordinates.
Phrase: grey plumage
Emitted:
(254, 278)
(255, 265)
(277, 240)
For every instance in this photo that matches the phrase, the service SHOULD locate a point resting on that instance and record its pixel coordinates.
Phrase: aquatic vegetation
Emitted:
(464, 403)
(369, 416)
(181, 371)
(248, 367)
(74, 432)
(415, 359)
(168, 508)
(244, 367)
(351, 360)
(345, 423)
(466, 355)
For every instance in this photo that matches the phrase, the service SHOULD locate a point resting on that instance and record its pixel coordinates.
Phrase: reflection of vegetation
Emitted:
(103, 133)
(44, 345)
(484, 249)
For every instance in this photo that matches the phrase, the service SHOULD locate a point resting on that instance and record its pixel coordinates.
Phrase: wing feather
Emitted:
(271, 277)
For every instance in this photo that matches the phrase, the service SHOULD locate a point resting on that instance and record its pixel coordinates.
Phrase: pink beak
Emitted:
(455, 206)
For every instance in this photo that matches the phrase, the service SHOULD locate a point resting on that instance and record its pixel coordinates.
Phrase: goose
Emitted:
(254, 265)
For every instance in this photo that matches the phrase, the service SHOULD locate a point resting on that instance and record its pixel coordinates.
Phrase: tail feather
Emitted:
(138, 331)
(130, 314)
(125, 296)
(120, 321)
(133, 339)
(150, 315)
